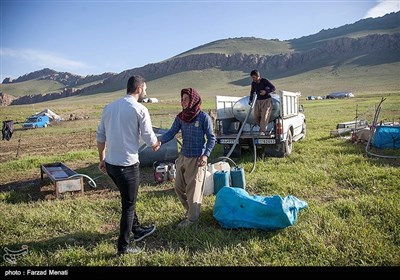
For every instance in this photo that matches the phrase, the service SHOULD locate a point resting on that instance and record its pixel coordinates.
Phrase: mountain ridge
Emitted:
(363, 43)
(273, 66)
(66, 78)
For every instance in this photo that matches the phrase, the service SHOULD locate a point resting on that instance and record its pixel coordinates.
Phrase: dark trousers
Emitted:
(127, 180)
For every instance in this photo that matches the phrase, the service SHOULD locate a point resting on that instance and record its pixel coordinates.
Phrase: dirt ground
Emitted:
(22, 145)
(56, 140)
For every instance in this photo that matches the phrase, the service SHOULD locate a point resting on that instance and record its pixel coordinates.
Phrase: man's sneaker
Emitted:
(142, 232)
(130, 250)
(185, 223)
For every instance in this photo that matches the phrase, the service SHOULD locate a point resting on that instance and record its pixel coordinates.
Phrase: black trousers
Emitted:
(127, 180)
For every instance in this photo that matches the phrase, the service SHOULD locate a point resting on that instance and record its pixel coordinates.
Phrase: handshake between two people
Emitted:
(156, 146)
(201, 161)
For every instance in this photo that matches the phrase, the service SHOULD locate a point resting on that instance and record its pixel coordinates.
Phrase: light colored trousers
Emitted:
(262, 113)
(189, 185)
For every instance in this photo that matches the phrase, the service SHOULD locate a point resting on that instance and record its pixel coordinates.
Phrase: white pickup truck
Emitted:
(287, 124)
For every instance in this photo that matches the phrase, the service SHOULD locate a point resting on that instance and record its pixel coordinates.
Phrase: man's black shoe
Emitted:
(142, 232)
(129, 250)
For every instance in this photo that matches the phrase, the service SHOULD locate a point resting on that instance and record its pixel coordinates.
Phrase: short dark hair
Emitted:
(255, 72)
(133, 83)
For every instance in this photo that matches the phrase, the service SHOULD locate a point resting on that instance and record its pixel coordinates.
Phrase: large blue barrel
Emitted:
(221, 179)
(237, 177)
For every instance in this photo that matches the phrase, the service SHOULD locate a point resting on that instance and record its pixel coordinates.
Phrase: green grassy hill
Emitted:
(388, 24)
(49, 81)
(31, 87)
(245, 45)
(322, 81)
(350, 75)
(361, 80)
(88, 84)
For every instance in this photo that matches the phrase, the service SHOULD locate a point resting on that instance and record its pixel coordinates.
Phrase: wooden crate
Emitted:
(60, 175)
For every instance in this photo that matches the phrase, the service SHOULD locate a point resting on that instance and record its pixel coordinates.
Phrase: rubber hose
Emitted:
(92, 183)
(254, 149)
(241, 129)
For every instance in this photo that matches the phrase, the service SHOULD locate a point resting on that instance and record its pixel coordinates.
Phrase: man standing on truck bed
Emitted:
(262, 109)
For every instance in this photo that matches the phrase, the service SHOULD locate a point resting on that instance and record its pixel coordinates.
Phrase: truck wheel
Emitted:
(304, 130)
(288, 143)
(281, 149)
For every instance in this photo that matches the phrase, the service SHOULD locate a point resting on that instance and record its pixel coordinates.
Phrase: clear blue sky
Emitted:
(92, 37)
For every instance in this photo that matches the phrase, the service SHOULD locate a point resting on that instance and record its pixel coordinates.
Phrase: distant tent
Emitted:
(343, 94)
(153, 100)
(47, 112)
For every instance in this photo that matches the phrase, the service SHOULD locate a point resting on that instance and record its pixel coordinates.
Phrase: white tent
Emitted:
(47, 112)
(153, 100)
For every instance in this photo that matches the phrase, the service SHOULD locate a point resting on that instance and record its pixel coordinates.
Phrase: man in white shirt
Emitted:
(122, 124)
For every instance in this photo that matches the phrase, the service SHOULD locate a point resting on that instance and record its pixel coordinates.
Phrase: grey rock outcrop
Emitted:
(6, 99)
(7, 81)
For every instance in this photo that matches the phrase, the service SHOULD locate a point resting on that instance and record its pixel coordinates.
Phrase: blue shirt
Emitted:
(194, 143)
(122, 124)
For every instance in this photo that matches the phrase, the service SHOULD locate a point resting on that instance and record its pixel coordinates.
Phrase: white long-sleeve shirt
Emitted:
(122, 124)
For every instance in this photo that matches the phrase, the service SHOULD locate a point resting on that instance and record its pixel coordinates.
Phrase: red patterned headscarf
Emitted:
(190, 113)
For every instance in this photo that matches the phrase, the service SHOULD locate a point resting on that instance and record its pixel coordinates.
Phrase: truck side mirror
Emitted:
(301, 109)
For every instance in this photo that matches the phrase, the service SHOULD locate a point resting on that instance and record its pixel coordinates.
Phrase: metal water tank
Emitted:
(242, 107)
(168, 152)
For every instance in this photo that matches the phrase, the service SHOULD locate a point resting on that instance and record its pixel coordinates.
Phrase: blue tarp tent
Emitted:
(387, 137)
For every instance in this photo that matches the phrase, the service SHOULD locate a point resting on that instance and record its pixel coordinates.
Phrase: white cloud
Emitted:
(383, 7)
(42, 59)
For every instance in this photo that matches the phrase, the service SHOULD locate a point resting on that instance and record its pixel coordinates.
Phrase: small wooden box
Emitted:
(60, 175)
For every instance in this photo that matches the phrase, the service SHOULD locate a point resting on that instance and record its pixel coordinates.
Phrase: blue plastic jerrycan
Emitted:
(221, 179)
(238, 179)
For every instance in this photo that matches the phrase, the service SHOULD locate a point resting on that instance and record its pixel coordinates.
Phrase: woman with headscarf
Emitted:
(191, 164)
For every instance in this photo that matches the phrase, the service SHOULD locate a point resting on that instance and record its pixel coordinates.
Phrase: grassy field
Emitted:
(352, 219)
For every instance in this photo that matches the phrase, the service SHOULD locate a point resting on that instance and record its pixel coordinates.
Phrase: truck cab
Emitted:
(36, 121)
(287, 124)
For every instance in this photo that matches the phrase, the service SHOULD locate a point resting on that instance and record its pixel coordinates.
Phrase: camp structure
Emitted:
(47, 112)
(343, 94)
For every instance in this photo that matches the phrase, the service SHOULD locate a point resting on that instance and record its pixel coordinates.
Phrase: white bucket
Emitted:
(221, 166)
(208, 183)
